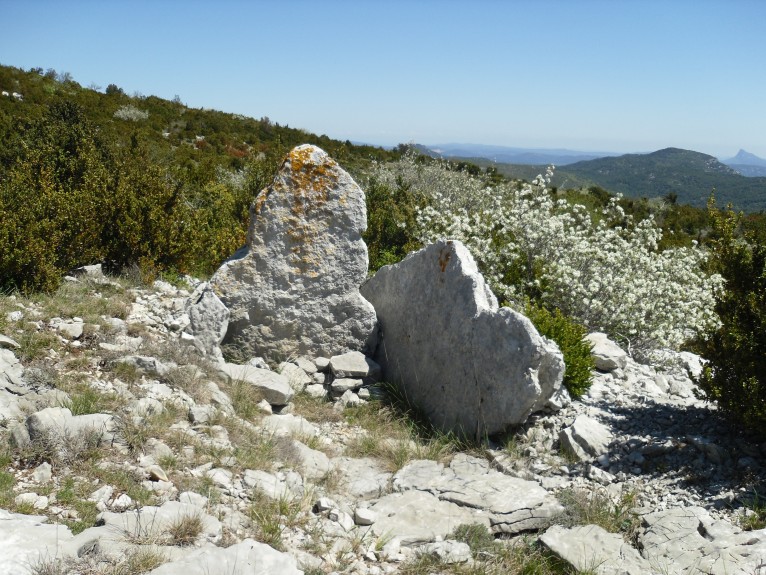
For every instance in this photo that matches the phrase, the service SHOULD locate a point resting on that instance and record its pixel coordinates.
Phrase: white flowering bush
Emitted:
(128, 112)
(604, 271)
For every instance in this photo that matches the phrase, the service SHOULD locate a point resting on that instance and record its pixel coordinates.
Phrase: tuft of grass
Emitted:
(83, 400)
(244, 398)
(521, 556)
(136, 561)
(184, 531)
(596, 507)
(271, 517)
(397, 436)
(755, 512)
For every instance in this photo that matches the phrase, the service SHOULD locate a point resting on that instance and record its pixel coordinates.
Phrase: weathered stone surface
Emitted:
(362, 478)
(208, 320)
(294, 288)
(249, 557)
(586, 438)
(277, 486)
(24, 539)
(147, 365)
(354, 365)
(8, 343)
(419, 517)
(449, 551)
(274, 387)
(58, 426)
(474, 368)
(296, 377)
(288, 424)
(512, 505)
(685, 540)
(589, 548)
(151, 521)
(607, 354)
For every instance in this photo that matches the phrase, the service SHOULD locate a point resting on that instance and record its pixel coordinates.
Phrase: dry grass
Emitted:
(185, 530)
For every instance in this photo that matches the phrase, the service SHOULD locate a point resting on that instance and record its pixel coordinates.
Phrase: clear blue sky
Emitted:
(622, 76)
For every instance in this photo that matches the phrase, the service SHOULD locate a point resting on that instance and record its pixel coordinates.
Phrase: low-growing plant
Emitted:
(754, 511)
(271, 517)
(568, 334)
(185, 530)
(735, 376)
(597, 507)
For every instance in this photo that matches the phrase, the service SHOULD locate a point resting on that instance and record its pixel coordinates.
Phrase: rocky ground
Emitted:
(126, 451)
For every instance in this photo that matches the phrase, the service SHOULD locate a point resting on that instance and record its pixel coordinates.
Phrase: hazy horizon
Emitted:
(617, 77)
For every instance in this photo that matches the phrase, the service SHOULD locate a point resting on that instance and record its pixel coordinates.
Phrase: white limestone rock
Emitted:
(589, 548)
(249, 557)
(472, 367)
(274, 387)
(208, 320)
(294, 288)
(586, 438)
(607, 354)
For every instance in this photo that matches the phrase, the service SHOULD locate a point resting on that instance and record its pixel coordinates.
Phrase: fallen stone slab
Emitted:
(417, 517)
(59, 428)
(274, 387)
(512, 505)
(277, 486)
(591, 549)
(151, 523)
(472, 367)
(296, 376)
(294, 288)
(689, 539)
(586, 438)
(288, 424)
(607, 354)
(355, 365)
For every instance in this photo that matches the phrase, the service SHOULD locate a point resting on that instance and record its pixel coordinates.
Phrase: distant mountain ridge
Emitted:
(690, 176)
(511, 155)
(747, 164)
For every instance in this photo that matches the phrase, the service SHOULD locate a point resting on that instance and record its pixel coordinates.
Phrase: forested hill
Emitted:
(133, 181)
(687, 175)
(198, 139)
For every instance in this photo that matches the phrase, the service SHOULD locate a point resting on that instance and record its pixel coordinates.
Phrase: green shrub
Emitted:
(569, 336)
(391, 212)
(735, 376)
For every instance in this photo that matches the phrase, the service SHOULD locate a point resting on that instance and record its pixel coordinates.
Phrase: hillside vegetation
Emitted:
(129, 180)
(688, 177)
(150, 184)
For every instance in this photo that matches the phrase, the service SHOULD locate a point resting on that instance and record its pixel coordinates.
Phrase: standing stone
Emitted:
(474, 368)
(294, 288)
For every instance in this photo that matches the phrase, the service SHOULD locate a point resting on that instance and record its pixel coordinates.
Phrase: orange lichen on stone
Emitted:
(444, 258)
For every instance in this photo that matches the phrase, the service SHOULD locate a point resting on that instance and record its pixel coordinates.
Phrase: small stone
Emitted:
(322, 364)
(42, 473)
(341, 518)
(316, 390)
(344, 384)
(323, 504)
(156, 473)
(8, 343)
(122, 502)
(364, 516)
